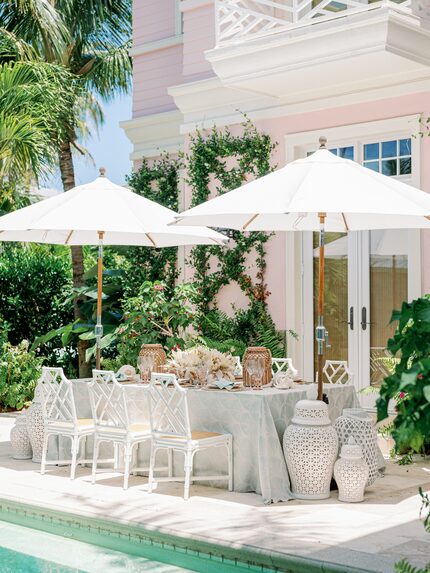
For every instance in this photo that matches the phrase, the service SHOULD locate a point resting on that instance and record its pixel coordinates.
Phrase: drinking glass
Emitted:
(203, 373)
(146, 364)
(258, 373)
(250, 368)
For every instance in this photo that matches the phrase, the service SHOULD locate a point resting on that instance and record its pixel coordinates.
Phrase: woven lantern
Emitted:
(156, 352)
(253, 352)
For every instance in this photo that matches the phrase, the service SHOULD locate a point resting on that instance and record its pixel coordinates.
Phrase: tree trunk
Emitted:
(68, 178)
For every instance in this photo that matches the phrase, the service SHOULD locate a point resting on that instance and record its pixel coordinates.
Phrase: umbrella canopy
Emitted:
(101, 212)
(322, 192)
(76, 217)
(353, 197)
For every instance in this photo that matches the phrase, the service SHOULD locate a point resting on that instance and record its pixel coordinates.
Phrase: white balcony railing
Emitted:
(239, 20)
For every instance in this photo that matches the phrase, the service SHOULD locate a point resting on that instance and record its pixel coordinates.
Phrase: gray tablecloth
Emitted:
(256, 420)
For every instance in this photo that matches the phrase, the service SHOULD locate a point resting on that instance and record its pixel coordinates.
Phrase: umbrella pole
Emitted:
(321, 333)
(99, 326)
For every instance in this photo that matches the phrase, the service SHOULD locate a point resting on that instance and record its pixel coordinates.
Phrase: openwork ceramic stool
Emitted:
(35, 426)
(351, 472)
(310, 450)
(21, 446)
(357, 423)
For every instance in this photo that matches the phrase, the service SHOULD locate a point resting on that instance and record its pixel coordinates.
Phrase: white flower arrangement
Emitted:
(188, 363)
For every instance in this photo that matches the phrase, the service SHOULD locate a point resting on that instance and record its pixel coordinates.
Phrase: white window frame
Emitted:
(299, 283)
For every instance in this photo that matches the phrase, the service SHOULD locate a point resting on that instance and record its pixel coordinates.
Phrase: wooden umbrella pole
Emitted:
(99, 326)
(320, 330)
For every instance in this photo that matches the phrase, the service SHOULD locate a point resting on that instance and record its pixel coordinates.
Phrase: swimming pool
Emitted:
(25, 550)
(36, 540)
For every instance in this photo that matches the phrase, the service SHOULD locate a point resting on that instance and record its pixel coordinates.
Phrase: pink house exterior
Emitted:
(356, 72)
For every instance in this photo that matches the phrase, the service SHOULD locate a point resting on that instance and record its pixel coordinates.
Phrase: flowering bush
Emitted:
(186, 363)
(409, 385)
(156, 315)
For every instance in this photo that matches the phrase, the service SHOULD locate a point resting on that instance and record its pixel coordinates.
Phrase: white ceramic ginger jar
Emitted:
(35, 426)
(351, 472)
(310, 449)
(21, 446)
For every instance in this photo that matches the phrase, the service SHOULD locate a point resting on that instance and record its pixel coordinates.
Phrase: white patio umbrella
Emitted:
(322, 193)
(101, 213)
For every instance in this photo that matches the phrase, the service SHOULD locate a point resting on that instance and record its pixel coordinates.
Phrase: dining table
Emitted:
(256, 419)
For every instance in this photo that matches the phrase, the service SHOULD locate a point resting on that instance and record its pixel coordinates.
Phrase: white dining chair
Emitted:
(60, 418)
(283, 365)
(171, 430)
(336, 372)
(110, 411)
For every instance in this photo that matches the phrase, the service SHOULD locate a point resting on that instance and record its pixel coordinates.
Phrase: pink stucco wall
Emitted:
(156, 70)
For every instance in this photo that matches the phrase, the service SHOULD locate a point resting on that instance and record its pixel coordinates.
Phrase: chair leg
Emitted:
(188, 470)
(151, 468)
(95, 457)
(170, 462)
(134, 459)
(44, 453)
(116, 447)
(75, 450)
(230, 464)
(128, 453)
(83, 451)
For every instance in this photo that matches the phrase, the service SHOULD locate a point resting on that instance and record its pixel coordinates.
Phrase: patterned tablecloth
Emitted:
(256, 419)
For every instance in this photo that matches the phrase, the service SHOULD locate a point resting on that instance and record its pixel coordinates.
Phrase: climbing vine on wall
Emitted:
(209, 161)
(158, 181)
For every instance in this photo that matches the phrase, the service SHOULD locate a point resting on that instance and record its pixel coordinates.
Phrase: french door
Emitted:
(368, 275)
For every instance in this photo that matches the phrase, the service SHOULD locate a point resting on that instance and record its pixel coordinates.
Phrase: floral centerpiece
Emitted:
(188, 363)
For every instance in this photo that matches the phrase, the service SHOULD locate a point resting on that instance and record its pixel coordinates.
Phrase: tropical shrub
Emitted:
(35, 282)
(409, 385)
(156, 315)
(19, 372)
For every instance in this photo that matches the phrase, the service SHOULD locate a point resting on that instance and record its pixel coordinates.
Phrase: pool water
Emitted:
(25, 550)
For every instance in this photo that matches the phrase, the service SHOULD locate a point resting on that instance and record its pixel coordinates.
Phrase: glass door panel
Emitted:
(336, 294)
(388, 278)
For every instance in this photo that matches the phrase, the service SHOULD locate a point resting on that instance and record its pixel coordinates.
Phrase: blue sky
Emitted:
(109, 148)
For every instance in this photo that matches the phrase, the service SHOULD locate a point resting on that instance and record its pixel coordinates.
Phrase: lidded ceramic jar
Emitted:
(310, 450)
(21, 446)
(351, 472)
(35, 426)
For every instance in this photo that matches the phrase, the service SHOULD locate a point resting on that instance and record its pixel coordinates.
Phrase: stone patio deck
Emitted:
(310, 536)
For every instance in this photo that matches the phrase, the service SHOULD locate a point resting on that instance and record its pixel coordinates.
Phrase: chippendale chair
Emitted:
(283, 365)
(171, 430)
(110, 411)
(337, 372)
(60, 418)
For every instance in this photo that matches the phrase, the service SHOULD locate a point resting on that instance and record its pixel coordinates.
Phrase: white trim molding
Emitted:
(153, 134)
(162, 44)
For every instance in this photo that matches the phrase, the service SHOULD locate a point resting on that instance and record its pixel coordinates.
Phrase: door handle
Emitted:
(351, 318)
(364, 322)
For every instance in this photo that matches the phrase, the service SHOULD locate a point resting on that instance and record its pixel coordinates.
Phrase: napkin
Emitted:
(224, 384)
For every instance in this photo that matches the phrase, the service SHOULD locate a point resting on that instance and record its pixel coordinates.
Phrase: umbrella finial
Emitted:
(102, 171)
(322, 141)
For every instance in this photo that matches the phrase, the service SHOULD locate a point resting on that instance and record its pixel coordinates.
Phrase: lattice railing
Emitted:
(243, 19)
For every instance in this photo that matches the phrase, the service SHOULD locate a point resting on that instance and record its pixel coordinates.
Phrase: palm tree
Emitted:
(33, 98)
(91, 39)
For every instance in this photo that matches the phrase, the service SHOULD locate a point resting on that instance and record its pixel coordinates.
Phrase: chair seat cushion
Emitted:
(139, 428)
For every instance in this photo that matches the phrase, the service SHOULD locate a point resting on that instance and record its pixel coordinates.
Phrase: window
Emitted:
(389, 157)
(345, 152)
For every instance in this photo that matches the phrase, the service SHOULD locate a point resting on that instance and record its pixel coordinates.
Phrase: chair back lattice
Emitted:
(283, 365)
(108, 400)
(56, 395)
(168, 407)
(337, 372)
